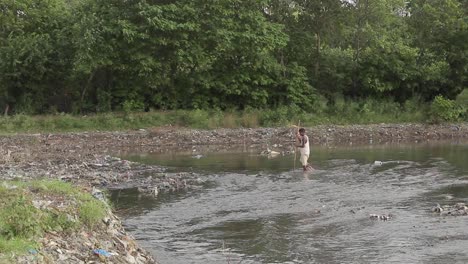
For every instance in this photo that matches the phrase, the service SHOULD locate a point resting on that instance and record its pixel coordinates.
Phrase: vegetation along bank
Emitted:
(100, 56)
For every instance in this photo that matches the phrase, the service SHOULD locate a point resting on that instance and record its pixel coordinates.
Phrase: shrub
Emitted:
(15, 245)
(445, 110)
(20, 219)
(91, 212)
(230, 120)
(132, 105)
(281, 116)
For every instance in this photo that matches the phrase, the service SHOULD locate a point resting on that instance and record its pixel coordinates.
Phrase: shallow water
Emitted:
(258, 210)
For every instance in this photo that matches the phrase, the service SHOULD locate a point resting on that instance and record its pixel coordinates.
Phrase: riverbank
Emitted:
(50, 221)
(91, 147)
(90, 159)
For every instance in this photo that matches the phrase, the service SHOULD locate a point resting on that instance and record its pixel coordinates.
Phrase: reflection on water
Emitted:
(258, 210)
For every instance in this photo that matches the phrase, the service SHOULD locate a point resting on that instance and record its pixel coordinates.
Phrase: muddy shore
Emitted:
(90, 159)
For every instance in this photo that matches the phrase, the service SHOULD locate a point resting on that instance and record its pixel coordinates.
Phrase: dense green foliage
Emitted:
(87, 56)
(445, 110)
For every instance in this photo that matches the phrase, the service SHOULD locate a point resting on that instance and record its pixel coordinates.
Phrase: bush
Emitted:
(250, 118)
(91, 212)
(15, 245)
(445, 110)
(20, 219)
(133, 105)
(283, 115)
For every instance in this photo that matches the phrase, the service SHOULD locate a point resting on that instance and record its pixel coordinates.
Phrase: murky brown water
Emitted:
(258, 210)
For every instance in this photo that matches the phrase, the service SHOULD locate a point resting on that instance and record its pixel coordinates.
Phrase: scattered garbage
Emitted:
(41, 204)
(270, 153)
(33, 251)
(98, 194)
(9, 186)
(102, 252)
(107, 240)
(457, 209)
(82, 158)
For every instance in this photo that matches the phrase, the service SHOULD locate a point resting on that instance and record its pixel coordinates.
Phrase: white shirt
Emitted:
(306, 149)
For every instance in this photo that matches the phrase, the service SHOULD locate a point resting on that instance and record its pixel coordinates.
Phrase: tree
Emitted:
(440, 31)
(177, 54)
(33, 64)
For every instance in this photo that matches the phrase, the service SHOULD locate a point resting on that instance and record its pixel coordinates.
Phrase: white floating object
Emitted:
(274, 153)
(377, 162)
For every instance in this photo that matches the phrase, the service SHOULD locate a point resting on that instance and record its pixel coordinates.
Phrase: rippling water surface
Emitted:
(258, 210)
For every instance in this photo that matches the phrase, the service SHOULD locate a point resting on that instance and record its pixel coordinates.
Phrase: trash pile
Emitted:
(105, 172)
(457, 209)
(103, 242)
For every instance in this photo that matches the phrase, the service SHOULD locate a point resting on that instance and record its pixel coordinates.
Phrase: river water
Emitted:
(253, 209)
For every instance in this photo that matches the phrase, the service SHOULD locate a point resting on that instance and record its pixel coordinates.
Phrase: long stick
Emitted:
(295, 151)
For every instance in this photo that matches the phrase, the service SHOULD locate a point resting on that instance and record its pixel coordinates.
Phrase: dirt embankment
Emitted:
(88, 159)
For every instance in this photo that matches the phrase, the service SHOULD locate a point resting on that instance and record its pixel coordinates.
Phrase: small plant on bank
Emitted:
(92, 212)
(20, 219)
(445, 110)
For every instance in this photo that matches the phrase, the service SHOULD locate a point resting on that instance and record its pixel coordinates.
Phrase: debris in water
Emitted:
(383, 217)
(453, 210)
(437, 209)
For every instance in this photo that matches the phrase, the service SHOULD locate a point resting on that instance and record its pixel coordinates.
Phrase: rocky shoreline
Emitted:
(89, 159)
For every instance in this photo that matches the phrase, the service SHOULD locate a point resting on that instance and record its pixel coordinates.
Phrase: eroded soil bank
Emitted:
(89, 159)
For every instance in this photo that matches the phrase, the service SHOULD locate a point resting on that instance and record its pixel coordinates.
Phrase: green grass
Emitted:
(368, 111)
(21, 223)
(91, 212)
(16, 245)
(53, 187)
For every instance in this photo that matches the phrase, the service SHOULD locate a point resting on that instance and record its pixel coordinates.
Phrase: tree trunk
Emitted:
(317, 54)
(7, 108)
(83, 92)
(282, 64)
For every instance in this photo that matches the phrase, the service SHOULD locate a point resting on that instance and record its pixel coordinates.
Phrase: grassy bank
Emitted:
(341, 112)
(29, 209)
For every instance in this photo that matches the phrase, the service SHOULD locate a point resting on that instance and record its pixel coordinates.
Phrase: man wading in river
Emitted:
(303, 145)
